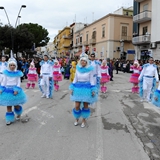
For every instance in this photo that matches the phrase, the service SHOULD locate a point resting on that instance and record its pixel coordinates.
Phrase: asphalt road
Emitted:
(120, 127)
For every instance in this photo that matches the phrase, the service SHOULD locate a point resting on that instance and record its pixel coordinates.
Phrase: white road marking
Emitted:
(29, 110)
(99, 136)
(115, 90)
(36, 90)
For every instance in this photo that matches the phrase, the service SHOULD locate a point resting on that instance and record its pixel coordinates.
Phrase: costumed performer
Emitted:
(11, 94)
(156, 97)
(136, 68)
(105, 77)
(73, 70)
(32, 76)
(3, 66)
(57, 75)
(83, 90)
(147, 80)
(97, 70)
(46, 77)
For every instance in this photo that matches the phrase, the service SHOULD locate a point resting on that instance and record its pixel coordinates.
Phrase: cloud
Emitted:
(54, 15)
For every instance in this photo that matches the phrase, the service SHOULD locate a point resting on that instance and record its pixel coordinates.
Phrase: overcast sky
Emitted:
(54, 15)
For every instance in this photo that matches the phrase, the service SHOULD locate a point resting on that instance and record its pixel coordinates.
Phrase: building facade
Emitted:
(62, 42)
(109, 37)
(146, 34)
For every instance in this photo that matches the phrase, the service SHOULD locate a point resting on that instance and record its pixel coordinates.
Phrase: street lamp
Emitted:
(1, 7)
(6, 15)
(19, 19)
(23, 6)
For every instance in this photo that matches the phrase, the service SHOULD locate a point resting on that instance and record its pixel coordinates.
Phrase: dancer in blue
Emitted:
(11, 94)
(83, 90)
(97, 70)
(46, 77)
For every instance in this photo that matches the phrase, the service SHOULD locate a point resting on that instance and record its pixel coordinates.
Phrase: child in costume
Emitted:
(83, 90)
(136, 68)
(104, 76)
(11, 94)
(57, 76)
(32, 76)
(73, 71)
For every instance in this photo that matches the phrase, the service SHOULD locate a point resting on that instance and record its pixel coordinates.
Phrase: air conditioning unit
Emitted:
(153, 45)
(118, 48)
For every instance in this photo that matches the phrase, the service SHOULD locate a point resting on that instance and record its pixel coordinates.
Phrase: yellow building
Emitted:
(62, 42)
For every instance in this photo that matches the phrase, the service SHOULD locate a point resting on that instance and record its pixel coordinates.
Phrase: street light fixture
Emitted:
(1, 7)
(22, 6)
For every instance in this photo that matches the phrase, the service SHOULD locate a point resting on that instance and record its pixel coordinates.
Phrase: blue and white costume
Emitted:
(96, 72)
(156, 97)
(10, 84)
(148, 79)
(3, 66)
(83, 86)
(46, 82)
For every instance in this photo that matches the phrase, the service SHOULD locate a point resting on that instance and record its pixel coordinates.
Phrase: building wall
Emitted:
(109, 43)
(149, 2)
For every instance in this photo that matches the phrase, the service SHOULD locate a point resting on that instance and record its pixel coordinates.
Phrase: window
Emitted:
(103, 31)
(80, 39)
(87, 37)
(124, 31)
(145, 30)
(145, 7)
(94, 35)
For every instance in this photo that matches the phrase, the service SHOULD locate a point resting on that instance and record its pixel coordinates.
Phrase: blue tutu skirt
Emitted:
(156, 98)
(7, 98)
(82, 92)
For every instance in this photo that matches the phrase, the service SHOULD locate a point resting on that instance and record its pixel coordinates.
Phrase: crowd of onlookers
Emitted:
(114, 64)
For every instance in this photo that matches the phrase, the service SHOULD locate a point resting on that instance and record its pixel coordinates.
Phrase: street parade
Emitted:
(79, 80)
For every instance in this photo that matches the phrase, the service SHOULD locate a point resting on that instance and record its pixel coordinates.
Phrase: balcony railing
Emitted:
(86, 43)
(92, 41)
(142, 17)
(143, 39)
(66, 36)
(125, 38)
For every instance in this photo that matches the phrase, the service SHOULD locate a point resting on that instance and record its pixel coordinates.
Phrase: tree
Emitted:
(40, 34)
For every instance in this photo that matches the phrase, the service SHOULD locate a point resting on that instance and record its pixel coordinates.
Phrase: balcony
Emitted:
(143, 39)
(58, 40)
(66, 45)
(126, 38)
(66, 36)
(139, 0)
(79, 44)
(92, 41)
(142, 17)
(86, 43)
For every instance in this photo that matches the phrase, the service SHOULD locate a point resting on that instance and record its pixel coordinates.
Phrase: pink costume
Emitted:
(32, 76)
(104, 77)
(57, 75)
(134, 77)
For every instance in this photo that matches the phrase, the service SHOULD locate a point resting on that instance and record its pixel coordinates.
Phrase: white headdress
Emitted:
(32, 63)
(12, 60)
(84, 56)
